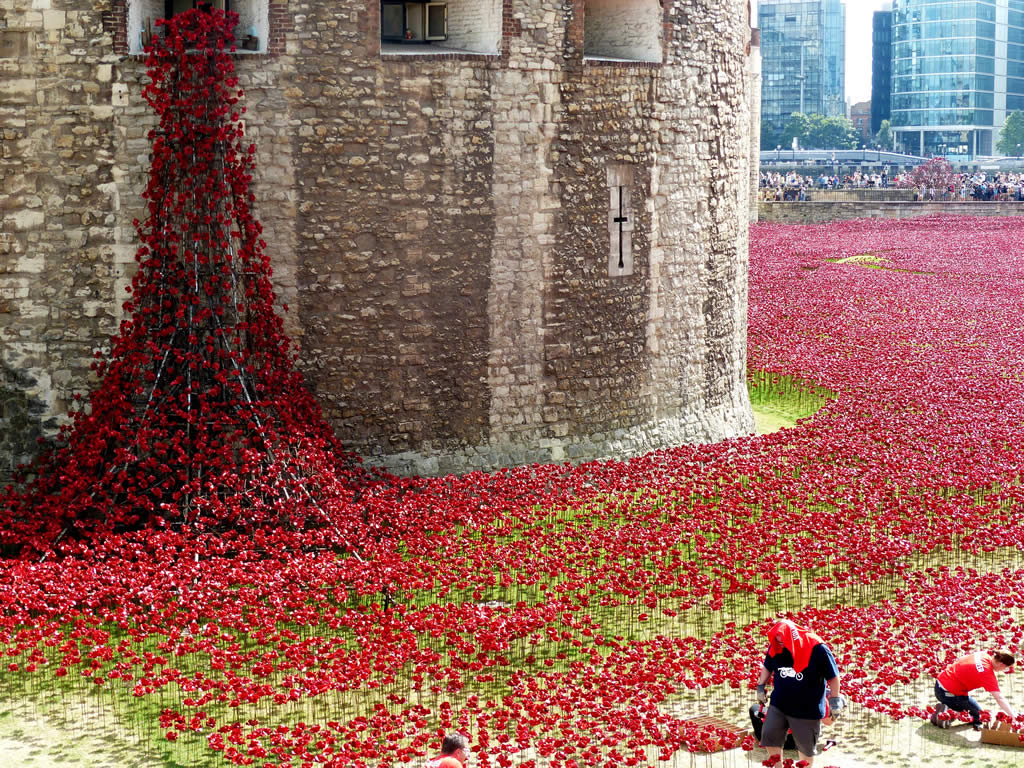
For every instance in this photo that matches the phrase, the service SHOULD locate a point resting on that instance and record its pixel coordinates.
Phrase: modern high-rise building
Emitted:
(803, 54)
(957, 70)
(881, 66)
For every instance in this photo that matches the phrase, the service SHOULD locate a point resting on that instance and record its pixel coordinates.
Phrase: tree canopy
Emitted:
(1012, 137)
(819, 132)
(884, 137)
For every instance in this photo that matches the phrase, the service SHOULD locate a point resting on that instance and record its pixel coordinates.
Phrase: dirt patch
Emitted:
(29, 739)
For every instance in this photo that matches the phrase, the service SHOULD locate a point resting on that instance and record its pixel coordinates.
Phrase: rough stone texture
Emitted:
(23, 421)
(59, 197)
(816, 213)
(438, 222)
(754, 99)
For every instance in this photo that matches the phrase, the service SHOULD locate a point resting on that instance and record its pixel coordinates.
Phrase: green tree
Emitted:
(819, 132)
(770, 139)
(798, 127)
(831, 133)
(884, 137)
(1012, 138)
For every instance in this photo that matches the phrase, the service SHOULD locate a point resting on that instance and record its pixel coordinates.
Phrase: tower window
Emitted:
(472, 26)
(415, 22)
(252, 32)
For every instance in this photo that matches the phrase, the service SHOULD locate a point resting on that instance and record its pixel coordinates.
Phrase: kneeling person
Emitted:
(975, 670)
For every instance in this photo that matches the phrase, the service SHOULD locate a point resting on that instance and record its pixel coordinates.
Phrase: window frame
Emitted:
(125, 21)
(469, 34)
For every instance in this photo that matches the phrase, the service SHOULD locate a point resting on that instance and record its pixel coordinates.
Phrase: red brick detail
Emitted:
(115, 23)
(510, 26)
(372, 28)
(282, 24)
(669, 32)
(574, 29)
(456, 56)
(623, 64)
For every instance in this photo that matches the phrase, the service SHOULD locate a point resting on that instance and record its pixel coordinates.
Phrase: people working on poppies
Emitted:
(975, 670)
(454, 753)
(804, 669)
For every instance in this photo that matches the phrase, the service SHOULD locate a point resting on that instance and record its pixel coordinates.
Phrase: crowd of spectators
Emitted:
(977, 186)
(793, 186)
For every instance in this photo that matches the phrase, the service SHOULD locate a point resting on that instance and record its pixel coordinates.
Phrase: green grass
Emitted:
(874, 261)
(862, 260)
(766, 422)
(781, 401)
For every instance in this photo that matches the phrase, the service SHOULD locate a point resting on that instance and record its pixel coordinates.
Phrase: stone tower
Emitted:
(507, 230)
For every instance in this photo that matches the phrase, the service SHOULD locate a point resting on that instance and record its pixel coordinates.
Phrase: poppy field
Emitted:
(198, 562)
(561, 609)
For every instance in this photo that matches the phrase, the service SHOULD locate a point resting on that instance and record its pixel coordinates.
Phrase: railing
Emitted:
(879, 195)
(838, 157)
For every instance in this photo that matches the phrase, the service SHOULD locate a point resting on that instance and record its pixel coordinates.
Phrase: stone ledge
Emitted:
(812, 212)
(716, 425)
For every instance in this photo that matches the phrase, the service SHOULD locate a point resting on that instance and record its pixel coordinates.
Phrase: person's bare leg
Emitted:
(810, 760)
(773, 751)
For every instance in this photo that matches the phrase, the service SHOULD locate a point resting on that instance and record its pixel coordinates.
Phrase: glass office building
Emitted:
(881, 66)
(957, 70)
(803, 60)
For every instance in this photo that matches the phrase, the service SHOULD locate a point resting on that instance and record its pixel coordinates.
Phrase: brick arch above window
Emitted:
(262, 25)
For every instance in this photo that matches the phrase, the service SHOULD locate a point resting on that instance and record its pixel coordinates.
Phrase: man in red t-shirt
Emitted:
(454, 753)
(975, 670)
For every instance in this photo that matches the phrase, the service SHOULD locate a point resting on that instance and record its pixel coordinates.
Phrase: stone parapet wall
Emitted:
(861, 195)
(814, 213)
(441, 223)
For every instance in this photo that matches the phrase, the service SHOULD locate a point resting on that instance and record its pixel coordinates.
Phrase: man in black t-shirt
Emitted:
(803, 668)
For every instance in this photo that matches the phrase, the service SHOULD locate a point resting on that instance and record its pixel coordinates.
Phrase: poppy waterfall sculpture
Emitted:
(200, 419)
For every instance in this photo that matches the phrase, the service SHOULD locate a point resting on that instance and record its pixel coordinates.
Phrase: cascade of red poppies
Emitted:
(201, 419)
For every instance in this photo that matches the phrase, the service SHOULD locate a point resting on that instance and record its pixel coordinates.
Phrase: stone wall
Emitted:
(60, 210)
(754, 99)
(814, 213)
(442, 223)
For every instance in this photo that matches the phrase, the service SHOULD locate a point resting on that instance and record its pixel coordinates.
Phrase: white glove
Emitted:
(836, 704)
